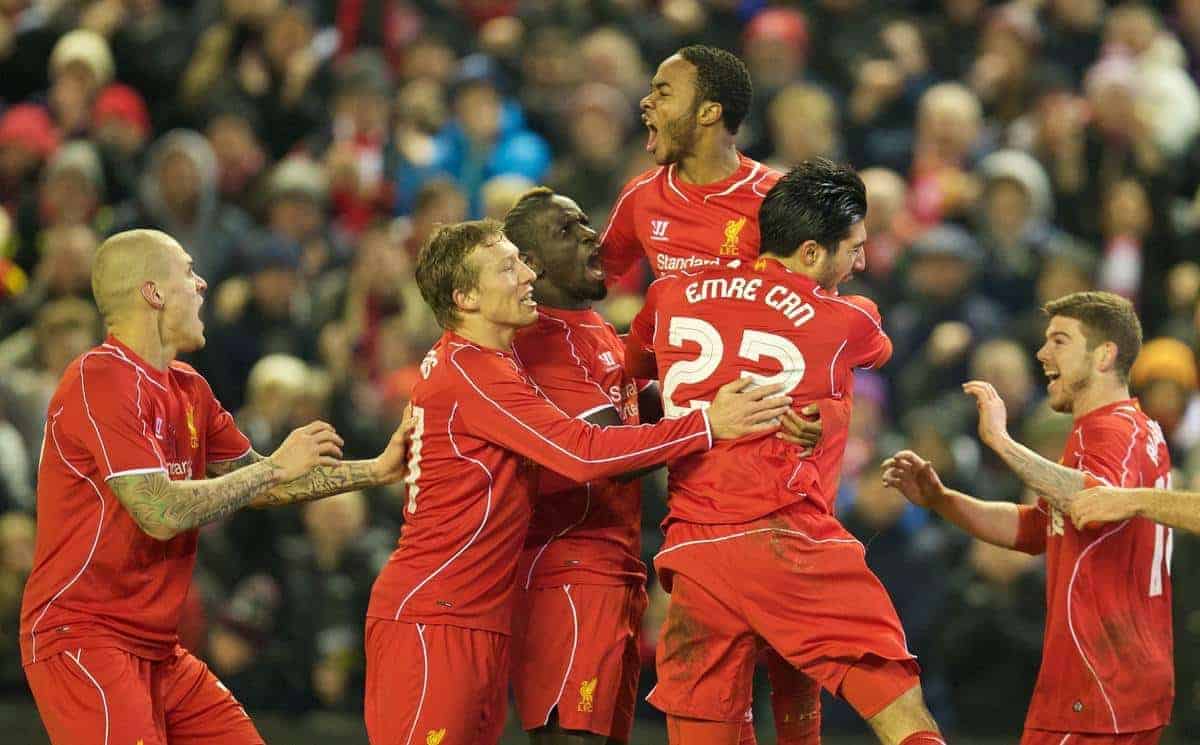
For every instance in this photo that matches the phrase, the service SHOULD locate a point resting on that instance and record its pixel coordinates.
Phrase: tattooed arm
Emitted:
(164, 508)
(326, 480)
(322, 481)
(1055, 482)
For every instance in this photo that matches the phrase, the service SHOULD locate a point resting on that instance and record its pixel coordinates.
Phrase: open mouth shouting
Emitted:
(595, 267)
(652, 137)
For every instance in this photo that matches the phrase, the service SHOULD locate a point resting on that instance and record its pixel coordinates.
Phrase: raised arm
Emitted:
(164, 508)
(1055, 482)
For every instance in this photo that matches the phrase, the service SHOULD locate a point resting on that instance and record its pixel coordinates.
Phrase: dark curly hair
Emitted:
(817, 200)
(721, 78)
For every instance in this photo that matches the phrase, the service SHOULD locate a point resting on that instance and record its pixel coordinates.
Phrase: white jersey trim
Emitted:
(95, 540)
(424, 681)
(134, 472)
(77, 658)
(753, 172)
(1071, 625)
(615, 458)
(570, 660)
(487, 511)
(621, 200)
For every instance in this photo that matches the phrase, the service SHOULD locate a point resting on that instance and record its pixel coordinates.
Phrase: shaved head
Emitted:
(123, 263)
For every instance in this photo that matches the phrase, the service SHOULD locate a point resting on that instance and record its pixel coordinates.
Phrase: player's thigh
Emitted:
(601, 689)
(1046, 737)
(706, 654)
(199, 709)
(815, 602)
(575, 657)
(437, 684)
(94, 697)
(795, 702)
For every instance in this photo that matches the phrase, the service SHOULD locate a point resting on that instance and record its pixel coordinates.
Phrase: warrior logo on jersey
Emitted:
(733, 231)
(608, 360)
(435, 736)
(658, 229)
(586, 693)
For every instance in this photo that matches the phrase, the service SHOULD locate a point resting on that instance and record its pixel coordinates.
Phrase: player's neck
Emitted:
(486, 334)
(1103, 391)
(795, 263)
(714, 159)
(143, 337)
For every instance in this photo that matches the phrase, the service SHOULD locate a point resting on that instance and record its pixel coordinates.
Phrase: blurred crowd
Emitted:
(302, 151)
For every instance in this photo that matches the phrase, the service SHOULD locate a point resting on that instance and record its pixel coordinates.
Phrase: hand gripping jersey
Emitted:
(481, 427)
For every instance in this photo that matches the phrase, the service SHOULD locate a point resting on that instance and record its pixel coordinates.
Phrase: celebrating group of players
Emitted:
(519, 559)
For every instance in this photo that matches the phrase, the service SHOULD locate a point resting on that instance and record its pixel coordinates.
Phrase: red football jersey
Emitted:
(775, 326)
(98, 580)
(590, 533)
(481, 426)
(683, 227)
(1107, 659)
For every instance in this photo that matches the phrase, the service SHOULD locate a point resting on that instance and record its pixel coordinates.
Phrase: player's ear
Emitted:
(1106, 356)
(810, 252)
(152, 295)
(466, 299)
(710, 113)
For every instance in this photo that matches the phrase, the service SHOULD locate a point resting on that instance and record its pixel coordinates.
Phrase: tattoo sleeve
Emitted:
(1053, 481)
(320, 482)
(164, 508)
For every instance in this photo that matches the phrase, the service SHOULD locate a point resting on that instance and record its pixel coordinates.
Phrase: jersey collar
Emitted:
(115, 346)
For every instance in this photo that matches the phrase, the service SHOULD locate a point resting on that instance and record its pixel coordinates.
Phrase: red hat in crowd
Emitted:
(119, 101)
(779, 24)
(29, 125)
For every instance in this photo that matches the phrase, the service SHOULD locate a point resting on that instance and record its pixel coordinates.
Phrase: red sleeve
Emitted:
(619, 244)
(118, 424)
(224, 441)
(1105, 451)
(1031, 529)
(499, 406)
(562, 372)
(869, 346)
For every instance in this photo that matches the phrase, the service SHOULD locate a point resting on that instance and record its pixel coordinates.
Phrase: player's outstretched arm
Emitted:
(914, 477)
(1055, 482)
(327, 480)
(1106, 504)
(164, 508)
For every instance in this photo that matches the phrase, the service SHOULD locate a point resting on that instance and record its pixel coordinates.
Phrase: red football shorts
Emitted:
(107, 696)
(575, 649)
(797, 582)
(1045, 737)
(427, 683)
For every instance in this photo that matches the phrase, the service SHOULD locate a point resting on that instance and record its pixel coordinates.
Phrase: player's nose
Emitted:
(201, 285)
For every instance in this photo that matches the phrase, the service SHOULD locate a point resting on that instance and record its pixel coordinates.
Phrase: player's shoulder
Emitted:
(855, 306)
(103, 365)
(469, 364)
(1118, 424)
(636, 187)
